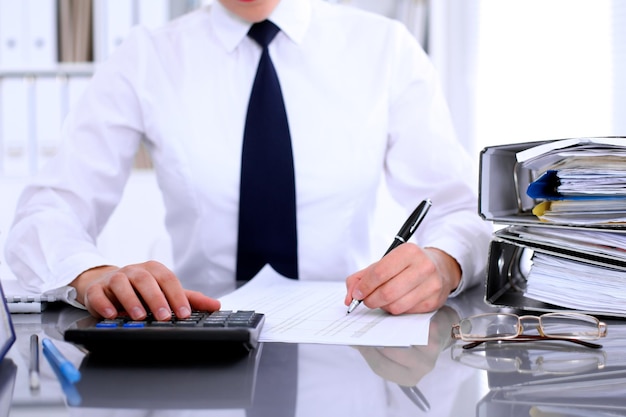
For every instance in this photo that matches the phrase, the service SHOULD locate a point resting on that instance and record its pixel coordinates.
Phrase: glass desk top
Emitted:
(440, 379)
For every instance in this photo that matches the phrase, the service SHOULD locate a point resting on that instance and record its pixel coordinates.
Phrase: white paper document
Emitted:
(313, 312)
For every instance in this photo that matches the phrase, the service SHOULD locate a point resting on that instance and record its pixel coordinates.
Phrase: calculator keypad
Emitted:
(219, 319)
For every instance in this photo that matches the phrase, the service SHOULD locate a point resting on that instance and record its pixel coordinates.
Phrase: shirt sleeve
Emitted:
(425, 160)
(63, 209)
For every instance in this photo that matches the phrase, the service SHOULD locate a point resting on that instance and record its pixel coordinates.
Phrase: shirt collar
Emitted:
(291, 16)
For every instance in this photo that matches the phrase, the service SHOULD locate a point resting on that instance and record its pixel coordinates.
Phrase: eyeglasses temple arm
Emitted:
(528, 338)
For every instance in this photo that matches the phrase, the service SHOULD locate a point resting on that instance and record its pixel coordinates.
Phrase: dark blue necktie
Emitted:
(267, 206)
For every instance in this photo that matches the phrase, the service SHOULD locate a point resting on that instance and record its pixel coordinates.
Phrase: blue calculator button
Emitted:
(106, 324)
(135, 324)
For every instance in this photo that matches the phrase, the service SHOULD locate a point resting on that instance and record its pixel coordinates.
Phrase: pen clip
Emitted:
(415, 219)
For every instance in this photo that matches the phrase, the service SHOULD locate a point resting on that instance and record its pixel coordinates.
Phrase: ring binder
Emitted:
(570, 245)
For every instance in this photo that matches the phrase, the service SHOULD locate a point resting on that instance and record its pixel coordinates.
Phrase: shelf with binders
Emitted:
(28, 34)
(32, 108)
(37, 35)
(60, 69)
(48, 51)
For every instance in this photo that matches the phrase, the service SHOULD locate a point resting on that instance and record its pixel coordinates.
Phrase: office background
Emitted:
(513, 70)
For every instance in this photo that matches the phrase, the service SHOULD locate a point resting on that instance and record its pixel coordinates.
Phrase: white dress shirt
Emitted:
(363, 104)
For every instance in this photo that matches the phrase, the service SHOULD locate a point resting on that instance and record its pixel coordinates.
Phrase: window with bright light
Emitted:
(545, 70)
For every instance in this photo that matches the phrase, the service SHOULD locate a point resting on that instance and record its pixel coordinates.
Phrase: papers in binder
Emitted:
(574, 268)
(576, 285)
(583, 212)
(540, 157)
(581, 181)
(580, 184)
(610, 245)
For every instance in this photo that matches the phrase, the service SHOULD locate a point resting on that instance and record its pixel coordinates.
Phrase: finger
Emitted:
(144, 282)
(121, 289)
(169, 285)
(351, 282)
(380, 272)
(397, 301)
(98, 304)
(395, 294)
(421, 298)
(201, 302)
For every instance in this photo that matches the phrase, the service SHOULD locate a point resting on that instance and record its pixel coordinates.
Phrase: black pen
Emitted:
(405, 233)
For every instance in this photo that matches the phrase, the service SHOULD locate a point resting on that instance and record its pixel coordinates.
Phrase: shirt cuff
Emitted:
(71, 267)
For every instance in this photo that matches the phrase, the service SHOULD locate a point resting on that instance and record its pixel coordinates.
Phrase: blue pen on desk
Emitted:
(59, 362)
(69, 389)
(405, 233)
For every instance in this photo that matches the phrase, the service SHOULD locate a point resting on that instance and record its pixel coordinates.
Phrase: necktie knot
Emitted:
(263, 32)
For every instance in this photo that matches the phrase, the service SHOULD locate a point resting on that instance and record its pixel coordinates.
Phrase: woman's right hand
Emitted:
(136, 289)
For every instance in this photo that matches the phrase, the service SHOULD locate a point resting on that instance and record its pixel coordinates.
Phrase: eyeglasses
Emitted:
(569, 326)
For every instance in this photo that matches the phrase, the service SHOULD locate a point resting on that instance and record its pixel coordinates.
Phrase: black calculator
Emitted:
(222, 333)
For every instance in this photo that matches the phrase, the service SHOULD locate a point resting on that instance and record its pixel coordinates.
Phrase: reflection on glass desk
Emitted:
(186, 386)
(8, 371)
(321, 380)
(551, 378)
(543, 359)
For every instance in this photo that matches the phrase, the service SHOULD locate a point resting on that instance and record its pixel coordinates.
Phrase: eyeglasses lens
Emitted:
(570, 326)
(489, 326)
